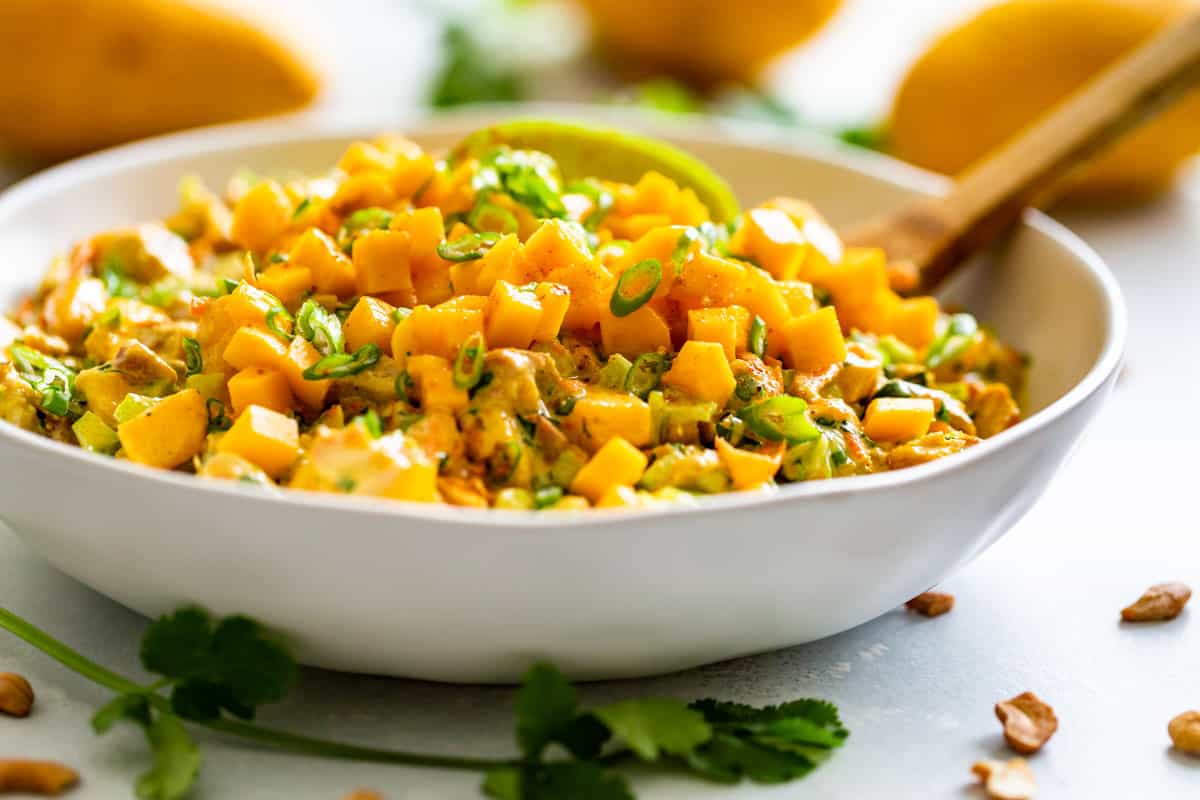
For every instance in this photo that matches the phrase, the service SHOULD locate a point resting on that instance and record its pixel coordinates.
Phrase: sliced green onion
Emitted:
(757, 343)
(371, 421)
(343, 365)
(635, 287)
(273, 325)
(614, 372)
(302, 207)
(489, 217)
(401, 314)
(229, 285)
(808, 461)
(954, 341)
(683, 247)
(320, 327)
(362, 220)
(547, 496)
(55, 401)
(467, 248)
(644, 375)
(468, 365)
(278, 258)
(780, 418)
(602, 201)
(192, 356)
(217, 419)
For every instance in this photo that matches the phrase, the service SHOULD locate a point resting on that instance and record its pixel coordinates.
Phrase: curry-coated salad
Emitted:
(478, 331)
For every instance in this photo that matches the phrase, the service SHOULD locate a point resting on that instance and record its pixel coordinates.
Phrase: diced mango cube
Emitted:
(332, 272)
(254, 347)
(434, 379)
(643, 331)
(618, 496)
(701, 370)
(773, 240)
(260, 216)
(556, 244)
(256, 386)
(371, 321)
(511, 317)
(300, 356)
(555, 300)
(728, 326)
(898, 419)
(602, 415)
(382, 261)
(426, 229)
(914, 320)
(167, 434)
(290, 284)
(748, 469)
(813, 342)
(103, 390)
(263, 437)
(617, 463)
(441, 329)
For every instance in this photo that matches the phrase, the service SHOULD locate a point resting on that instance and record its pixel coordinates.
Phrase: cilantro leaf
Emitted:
(728, 758)
(583, 737)
(805, 721)
(469, 75)
(175, 644)
(176, 760)
(134, 707)
(566, 780)
(255, 668)
(652, 725)
(545, 708)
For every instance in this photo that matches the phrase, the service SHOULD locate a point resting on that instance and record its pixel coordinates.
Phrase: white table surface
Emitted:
(1036, 612)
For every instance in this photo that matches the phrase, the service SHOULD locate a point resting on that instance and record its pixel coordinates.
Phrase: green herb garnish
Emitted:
(468, 364)
(192, 357)
(644, 375)
(757, 343)
(320, 327)
(343, 365)
(218, 420)
(780, 418)
(467, 248)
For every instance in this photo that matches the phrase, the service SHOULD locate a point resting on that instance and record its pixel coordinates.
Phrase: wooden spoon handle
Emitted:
(937, 234)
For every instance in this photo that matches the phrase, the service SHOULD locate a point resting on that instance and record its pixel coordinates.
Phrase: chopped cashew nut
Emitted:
(16, 695)
(1185, 732)
(35, 777)
(1006, 780)
(1028, 722)
(363, 794)
(1159, 602)
(931, 604)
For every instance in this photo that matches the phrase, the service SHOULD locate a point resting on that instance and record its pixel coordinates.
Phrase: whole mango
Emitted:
(984, 81)
(79, 75)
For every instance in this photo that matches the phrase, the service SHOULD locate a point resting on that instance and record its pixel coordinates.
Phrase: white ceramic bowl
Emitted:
(458, 595)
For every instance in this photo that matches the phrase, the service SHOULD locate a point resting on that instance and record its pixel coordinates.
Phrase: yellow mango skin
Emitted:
(704, 41)
(985, 80)
(80, 75)
(169, 434)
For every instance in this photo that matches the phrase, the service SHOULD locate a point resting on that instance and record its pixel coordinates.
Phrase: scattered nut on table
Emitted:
(363, 794)
(1006, 780)
(1028, 722)
(1185, 732)
(16, 695)
(1159, 602)
(47, 778)
(931, 604)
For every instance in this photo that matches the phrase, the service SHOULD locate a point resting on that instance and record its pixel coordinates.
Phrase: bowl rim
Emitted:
(762, 136)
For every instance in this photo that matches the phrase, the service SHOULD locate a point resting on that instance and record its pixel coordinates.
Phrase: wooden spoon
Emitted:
(929, 238)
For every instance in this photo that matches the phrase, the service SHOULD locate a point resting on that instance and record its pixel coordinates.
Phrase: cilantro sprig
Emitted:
(215, 673)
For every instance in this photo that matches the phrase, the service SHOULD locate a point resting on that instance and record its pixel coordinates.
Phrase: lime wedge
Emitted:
(583, 151)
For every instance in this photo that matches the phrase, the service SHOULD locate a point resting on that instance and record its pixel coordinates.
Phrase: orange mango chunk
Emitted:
(511, 316)
(254, 347)
(728, 326)
(555, 300)
(426, 230)
(555, 244)
(617, 463)
(382, 261)
(260, 216)
(602, 415)
(168, 434)
(643, 331)
(771, 238)
(265, 438)
(257, 386)
(300, 356)
(434, 379)
(898, 419)
(290, 284)
(332, 272)
(814, 342)
(748, 469)
(914, 320)
(441, 329)
(702, 371)
(369, 322)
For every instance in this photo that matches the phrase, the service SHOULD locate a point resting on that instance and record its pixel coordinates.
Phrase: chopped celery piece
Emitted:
(93, 434)
(565, 467)
(895, 351)
(132, 405)
(208, 384)
(615, 372)
(808, 461)
(514, 498)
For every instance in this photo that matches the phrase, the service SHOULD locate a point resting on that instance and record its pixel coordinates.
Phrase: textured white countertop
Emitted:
(1037, 612)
